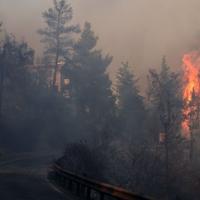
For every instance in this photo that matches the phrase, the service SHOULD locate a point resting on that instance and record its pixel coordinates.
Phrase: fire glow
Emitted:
(191, 68)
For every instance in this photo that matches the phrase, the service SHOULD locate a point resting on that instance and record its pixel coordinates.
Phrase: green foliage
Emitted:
(90, 87)
(16, 78)
(81, 159)
(57, 35)
(165, 95)
(166, 98)
(118, 127)
(130, 104)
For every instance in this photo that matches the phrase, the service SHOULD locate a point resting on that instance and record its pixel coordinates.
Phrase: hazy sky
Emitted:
(140, 31)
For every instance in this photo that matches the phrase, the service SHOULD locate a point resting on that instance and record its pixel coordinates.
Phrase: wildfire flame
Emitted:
(191, 66)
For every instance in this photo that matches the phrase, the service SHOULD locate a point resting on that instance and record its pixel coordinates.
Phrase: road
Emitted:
(25, 179)
(26, 187)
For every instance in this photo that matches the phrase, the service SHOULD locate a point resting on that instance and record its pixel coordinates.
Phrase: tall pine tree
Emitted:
(57, 35)
(90, 87)
(130, 104)
(166, 99)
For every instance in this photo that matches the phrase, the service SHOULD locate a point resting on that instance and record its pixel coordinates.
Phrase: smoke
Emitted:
(138, 31)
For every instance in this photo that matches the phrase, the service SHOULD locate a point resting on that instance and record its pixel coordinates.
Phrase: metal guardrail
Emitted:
(84, 187)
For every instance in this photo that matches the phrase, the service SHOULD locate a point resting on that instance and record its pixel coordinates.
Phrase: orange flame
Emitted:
(191, 65)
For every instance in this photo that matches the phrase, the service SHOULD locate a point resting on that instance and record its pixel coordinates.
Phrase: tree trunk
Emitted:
(56, 68)
(191, 146)
(2, 77)
(55, 73)
(167, 161)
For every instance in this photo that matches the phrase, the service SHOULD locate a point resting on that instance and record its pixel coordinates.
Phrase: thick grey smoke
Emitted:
(138, 31)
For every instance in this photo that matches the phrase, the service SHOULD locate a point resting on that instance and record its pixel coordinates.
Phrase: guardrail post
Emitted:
(63, 181)
(84, 187)
(101, 196)
(78, 189)
(70, 184)
(88, 193)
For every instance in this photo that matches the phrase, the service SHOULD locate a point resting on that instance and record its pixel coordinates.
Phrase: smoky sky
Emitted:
(138, 31)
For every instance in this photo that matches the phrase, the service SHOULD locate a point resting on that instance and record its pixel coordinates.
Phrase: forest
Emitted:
(110, 129)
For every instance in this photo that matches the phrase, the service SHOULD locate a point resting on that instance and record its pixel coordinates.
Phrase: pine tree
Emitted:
(165, 96)
(14, 75)
(192, 116)
(16, 58)
(58, 34)
(90, 87)
(130, 104)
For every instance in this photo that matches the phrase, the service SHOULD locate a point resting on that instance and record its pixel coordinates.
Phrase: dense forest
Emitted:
(109, 129)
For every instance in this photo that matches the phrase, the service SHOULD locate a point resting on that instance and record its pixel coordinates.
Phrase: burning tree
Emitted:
(191, 94)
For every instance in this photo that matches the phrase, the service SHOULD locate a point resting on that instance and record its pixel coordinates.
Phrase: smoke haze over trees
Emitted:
(66, 101)
(137, 26)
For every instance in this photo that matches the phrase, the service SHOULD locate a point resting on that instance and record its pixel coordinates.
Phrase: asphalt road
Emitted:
(27, 187)
(24, 178)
